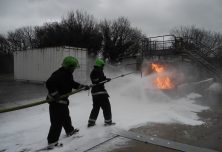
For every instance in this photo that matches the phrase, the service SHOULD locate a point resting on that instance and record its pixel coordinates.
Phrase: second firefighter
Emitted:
(99, 95)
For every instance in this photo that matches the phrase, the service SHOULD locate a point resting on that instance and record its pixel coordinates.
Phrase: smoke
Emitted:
(195, 87)
(213, 95)
(134, 102)
(198, 79)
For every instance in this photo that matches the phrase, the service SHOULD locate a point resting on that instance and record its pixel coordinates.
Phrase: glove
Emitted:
(108, 79)
(86, 87)
(53, 97)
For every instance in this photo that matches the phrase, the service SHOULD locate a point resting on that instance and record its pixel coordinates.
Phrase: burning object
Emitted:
(164, 82)
(163, 79)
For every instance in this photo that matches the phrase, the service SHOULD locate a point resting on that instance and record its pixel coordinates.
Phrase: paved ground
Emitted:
(208, 135)
(14, 92)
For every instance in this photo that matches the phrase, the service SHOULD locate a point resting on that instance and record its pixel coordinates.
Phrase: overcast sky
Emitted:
(153, 17)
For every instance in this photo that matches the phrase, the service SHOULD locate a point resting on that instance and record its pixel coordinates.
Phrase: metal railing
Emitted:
(172, 45)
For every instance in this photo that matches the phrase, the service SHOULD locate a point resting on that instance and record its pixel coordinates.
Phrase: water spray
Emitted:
(123, 75)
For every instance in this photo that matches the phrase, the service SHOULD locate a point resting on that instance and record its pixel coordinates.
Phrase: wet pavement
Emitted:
(16, 92)
(208, 135)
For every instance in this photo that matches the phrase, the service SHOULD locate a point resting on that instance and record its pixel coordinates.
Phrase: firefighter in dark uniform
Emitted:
(61, 82)
(99, 95)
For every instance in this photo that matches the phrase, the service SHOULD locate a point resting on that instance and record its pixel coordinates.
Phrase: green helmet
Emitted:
(99, 63)
(70, 62)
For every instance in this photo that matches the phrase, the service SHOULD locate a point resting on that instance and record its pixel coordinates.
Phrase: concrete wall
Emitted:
(38, 64)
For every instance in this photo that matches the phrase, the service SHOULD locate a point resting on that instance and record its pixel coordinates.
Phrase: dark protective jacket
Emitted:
(97, 76)
(61, 82)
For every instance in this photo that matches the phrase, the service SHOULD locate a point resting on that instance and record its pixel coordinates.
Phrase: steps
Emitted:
(186, 47)
(197, 58)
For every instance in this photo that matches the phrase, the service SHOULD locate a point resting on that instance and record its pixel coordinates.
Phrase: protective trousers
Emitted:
(103, 102)
(59, 117)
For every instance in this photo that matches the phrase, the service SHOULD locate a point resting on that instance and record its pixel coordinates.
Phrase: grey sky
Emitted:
(153, 17)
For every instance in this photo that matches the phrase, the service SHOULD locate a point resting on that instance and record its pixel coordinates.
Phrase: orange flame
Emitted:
(162, 82)
(157, 68)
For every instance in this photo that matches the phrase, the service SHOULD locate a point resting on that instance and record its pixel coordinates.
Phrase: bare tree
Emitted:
(21, 39)
(213, 40)
(29, 36)
(4, 45)
(80, 29)
(15, 41)
(49, 35)
(120, 39)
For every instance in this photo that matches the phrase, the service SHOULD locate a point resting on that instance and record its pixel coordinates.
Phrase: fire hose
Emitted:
(62, 96)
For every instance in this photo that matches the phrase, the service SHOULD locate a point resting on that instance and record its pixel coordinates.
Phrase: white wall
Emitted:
(38, 64)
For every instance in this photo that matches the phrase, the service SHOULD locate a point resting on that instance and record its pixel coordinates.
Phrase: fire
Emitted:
(157, 68)
(162, 81)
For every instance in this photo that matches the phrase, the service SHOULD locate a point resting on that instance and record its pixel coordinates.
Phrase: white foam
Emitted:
(134, 102)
